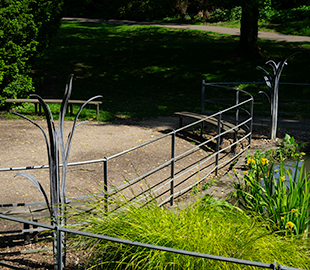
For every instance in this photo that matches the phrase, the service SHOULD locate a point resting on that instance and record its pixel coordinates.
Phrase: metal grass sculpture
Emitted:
(55, 138)
(273, 85)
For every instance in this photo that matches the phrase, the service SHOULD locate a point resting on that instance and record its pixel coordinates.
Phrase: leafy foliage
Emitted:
(26, 28)
(291, 15)
(289, 148)
(124, 9)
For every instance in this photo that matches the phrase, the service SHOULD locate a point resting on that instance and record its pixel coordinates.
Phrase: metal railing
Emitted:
(178, 181)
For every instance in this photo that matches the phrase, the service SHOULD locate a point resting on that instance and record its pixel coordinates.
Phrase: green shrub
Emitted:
(26, 28)
(219, 15)
(291, 15)
(289, 148)
(266, 13)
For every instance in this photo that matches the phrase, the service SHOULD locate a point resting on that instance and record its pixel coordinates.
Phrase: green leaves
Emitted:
(284, 203)
(26, 28)
(289, 148)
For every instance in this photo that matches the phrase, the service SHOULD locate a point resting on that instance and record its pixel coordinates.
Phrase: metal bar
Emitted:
(12, 266)
(218, 141)
(263, 83)
(237, 122)
(203, 90)
(23, 231)
(172, 168)
(251, 121)
(105, 180)
(167, 249)
(59, 255)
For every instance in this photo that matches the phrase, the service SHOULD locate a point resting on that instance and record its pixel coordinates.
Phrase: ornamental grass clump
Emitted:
(284, 203)
(206, 226)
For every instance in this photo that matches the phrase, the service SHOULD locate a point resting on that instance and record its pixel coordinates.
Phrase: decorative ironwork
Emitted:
(273, 85)
(55, 138)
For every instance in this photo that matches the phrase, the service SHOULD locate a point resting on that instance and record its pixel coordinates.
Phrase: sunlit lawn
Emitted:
(147, 71)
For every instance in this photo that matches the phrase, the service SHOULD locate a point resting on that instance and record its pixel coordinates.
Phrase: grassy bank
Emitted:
(145, 71)
(207, 226)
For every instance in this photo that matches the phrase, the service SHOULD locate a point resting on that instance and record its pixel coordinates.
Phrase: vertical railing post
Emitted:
(203, 89)
(251, 123)
(172, 168)
(59, 254)
(237, 123)
(218, 141)
(105, 181)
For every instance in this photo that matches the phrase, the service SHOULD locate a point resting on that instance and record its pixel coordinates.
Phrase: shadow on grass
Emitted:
(147, 71)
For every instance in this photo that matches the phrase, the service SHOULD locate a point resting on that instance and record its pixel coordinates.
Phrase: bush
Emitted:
(26, 29)
(220, 15)
(291, 15)
(267, 13)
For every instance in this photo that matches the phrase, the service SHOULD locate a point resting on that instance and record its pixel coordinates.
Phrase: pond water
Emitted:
(291, 167)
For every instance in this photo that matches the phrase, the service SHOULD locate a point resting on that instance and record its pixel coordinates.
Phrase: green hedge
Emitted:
(26, 29)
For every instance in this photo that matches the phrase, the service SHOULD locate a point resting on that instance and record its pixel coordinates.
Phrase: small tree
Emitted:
(26, 29)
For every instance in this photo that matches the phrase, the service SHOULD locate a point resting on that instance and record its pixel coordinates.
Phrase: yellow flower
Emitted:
(294, 210)
(282, 178)
(282, 218)
(290, 225)
(235, 170)
(246, 172)
(251, 160)
(264, 161)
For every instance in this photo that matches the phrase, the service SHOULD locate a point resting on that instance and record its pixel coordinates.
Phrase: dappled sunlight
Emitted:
(138, 68)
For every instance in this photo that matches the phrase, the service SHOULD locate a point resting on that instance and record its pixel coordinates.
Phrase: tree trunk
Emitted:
(249, 28)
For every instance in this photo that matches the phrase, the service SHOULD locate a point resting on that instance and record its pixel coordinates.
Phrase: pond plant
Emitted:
(283, 203)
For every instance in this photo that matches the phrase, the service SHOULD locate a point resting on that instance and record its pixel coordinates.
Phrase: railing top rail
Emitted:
(224, 83)
(133, 148)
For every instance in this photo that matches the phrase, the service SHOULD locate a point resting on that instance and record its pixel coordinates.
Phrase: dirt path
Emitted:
(22, 145)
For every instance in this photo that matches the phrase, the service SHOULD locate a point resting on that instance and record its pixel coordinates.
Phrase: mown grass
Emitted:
(299, 28)
(207, 226)
(147, 71)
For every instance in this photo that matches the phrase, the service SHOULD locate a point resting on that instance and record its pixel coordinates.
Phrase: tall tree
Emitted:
(249, 27)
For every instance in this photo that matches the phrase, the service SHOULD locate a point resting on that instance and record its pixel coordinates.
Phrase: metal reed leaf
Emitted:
(39, 187)
(68, 145)
(44, 134)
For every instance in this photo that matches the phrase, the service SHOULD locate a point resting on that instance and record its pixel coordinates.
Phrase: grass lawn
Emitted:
(146, 71)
